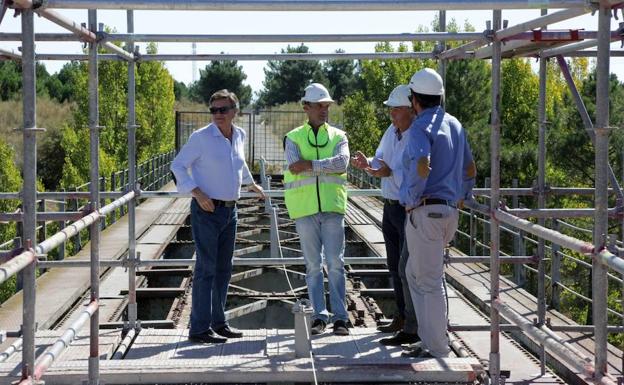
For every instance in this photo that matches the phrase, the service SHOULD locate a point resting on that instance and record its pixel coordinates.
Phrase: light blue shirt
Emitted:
(216, 166)
(390, 150)
(439, 137)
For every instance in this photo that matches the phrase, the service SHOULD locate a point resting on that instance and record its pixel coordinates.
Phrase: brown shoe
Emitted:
(394, 326)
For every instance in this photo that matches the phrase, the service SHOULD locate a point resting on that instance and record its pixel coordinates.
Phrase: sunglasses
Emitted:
(220, 110)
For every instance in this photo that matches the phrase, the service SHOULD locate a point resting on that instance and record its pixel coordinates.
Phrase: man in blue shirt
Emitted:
(439, 173)
(387, 164)
(211, 166)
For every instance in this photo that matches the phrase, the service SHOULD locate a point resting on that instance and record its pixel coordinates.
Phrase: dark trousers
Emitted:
(393, 229)
(214, 234)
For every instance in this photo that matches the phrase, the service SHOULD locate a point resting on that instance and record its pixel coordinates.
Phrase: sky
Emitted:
(224, 22)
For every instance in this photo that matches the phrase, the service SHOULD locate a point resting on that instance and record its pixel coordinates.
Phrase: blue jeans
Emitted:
(214, 234)
(322, 235)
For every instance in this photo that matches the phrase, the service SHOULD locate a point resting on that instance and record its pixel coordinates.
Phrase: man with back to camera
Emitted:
(215, 157)
(439, 173)
(387, 164)
(317, 155)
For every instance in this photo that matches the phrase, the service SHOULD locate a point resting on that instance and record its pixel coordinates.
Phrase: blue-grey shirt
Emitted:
(214, 164)
(437, 161)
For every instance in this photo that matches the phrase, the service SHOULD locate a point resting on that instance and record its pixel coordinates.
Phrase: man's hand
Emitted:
(359, 160)
(300, 166)
(381, 172)
(203, 200)
(257, 189)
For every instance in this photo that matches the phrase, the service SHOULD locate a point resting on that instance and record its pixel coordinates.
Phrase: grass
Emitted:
(51, 115)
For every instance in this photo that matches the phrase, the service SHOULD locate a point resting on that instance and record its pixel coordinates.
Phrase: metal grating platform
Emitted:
(263, 355)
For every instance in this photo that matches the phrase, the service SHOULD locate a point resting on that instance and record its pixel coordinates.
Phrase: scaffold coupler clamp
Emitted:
(619, 208)
(535, 259)
(302, 311)
(137, 55)
(489, 32)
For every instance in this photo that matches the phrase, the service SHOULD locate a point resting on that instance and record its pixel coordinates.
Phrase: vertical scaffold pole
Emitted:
(94, 365)
(494, 201)
(29, 189)
(601, 129)
(541, 201)
(442, 46)
(132, 301)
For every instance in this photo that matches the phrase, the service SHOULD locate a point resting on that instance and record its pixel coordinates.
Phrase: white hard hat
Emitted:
(316, 93)
(399, 97)
(427, 82)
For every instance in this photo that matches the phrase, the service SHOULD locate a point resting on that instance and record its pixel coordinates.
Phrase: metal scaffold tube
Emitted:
(601, 225)
(494, 199)
(314, 5)
(252, 57)
(51, 354)
(295, 38)
(541, 200)
(551, 341)
(25, 258)
(70, 25)
(29, 190)
(589, 126)
(132, 303)
(94, 135)
(604, 256)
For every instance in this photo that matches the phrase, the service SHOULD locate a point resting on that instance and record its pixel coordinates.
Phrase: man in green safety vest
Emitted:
(317, 155)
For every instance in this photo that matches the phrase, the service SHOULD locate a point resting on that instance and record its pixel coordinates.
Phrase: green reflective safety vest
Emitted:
(305, 194)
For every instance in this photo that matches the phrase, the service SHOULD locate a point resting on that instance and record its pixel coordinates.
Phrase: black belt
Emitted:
(436, 201)
(391, 201)
(218, 202)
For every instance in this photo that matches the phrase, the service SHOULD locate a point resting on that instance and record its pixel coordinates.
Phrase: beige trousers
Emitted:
(428, 229)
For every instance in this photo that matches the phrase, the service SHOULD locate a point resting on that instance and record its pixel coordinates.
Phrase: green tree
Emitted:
(342, 78)
(10, 79)
(155, 115)
(570, 145)
(285, 80)
(10, 180)
(360, 124)
(180, 90)
(62, 86)
(154, 108)
(223, 74)
(468, 99)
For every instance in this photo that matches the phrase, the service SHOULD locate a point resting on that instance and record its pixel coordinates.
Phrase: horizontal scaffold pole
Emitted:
(314, 5)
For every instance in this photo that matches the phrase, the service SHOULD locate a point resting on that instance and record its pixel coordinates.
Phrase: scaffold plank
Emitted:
(165, 356)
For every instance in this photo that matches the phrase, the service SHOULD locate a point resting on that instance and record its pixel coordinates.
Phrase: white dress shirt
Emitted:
(390, 150)
(217, 166)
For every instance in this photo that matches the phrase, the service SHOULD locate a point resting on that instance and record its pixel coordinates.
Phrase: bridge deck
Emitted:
(166, 356)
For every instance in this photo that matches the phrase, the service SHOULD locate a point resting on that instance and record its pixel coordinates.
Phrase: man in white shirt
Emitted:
(215, 157)
(386, 164)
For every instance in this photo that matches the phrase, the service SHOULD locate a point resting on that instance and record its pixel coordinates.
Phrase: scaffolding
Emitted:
(525, 39)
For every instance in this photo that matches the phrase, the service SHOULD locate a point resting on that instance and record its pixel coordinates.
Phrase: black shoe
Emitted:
(340, 328)
(400, 338)
(208, 337)
(318, 326)
(229, 332)
(394, 326)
